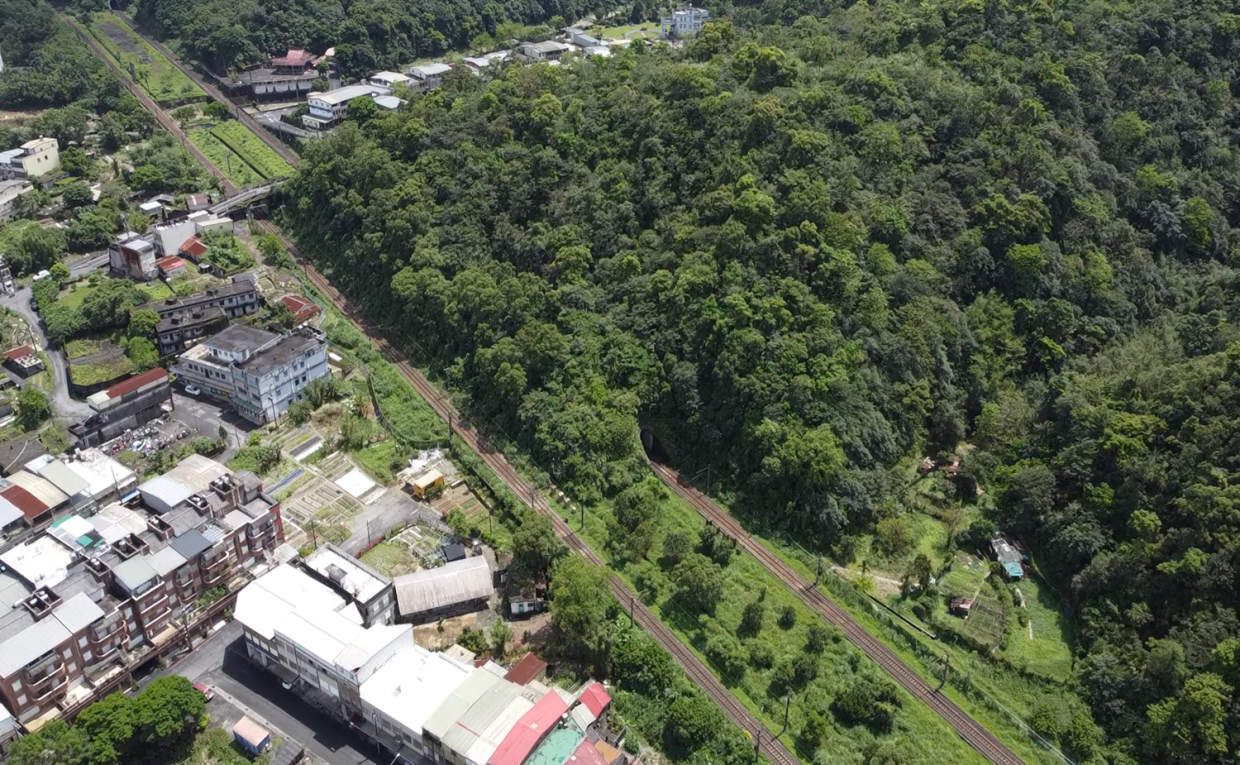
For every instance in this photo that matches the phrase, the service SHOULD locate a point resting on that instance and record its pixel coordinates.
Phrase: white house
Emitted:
(326, 109)
(428, 76)
(684, 22)
(34, 159)
(387, 79)
(10, 191)
(544, 51)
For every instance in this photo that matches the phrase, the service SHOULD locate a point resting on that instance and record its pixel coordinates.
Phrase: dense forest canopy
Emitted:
(825, 238)
(370, 35)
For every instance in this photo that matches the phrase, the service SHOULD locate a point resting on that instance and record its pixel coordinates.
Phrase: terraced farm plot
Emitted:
(158, 76)
(220, 155)
(259, 155)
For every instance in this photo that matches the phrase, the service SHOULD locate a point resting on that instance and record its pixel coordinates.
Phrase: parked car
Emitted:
(205, 690)
(193, 390)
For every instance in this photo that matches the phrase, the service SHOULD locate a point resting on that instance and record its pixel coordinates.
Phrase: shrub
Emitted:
(787, 617)
(761, 655)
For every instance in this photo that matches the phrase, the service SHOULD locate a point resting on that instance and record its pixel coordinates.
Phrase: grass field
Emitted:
(261, 157)
(154, 72)
(651, 30)
(384, 459)
(76, 295)
(156, 290)
(390, 559)
(236, 168)
(97, 372)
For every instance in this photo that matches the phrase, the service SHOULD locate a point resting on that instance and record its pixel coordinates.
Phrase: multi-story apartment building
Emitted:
(78, 599)
(327, 109)
(260, 373)
(180, 331)
(237, 299)
(133, 256)
(128, 404)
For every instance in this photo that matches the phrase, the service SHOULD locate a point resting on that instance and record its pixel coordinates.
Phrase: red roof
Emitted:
(301, 308)
(20, 352)
(137, 381)
(530, 730)
(586, 754)
(595, 698)
(169, 262)
(294, 57)
(28, 503)
(193, 246)
(529, 668)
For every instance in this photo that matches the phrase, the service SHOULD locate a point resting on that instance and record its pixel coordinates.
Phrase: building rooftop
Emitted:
(531, 729)
(20, 352)
(477, 730)
(301, 308)
(149, 379)
(177, 305)
(76, 533)
(12, 592)
(360, 581)
(191, 544)
(58, 474)
(241, 337)
(389, 77)
(346, 94)
(192, 475)
(410, 687)
(280, 353)
(268, 600)
(166, 560)
(294, 57)
(194, 247)
(190, 319)
(9, 513)
(445, 718)
(549, 46)
(529, 668)
(429, 70)
(134, 573)
(586, 754)
(36, 639)
(41, 562)
(595, 698)
(558, 746)
(41, 490)
(455, 582)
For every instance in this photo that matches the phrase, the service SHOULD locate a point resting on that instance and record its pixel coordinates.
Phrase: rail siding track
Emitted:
(969, 729)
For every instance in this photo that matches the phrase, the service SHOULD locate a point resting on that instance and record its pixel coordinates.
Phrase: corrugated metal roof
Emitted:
(29, 505)
(595, 697)
(485, 744)
(78, 612)
(12, 592)
(532, 728)
(59, 474)
(411, 686)
(134, 572)
(251, 733)
(456, 582)
(41, 488)
(30, 644)
(459, 702)
(166, 561)
(529, 668)
(166, 491)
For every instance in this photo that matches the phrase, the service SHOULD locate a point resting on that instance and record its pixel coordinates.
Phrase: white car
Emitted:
(193, 390)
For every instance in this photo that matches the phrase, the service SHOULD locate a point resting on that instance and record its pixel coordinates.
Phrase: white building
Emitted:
(34, 159)
(326, 109)
(427, 76)
(10, 191)
(261, 373)
(133, 256)
(387, 79)
(684, 22)
(544, 51)
(401, 696)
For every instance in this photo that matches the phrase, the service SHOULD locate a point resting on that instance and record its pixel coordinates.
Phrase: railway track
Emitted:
(768, 744)
(148, 103)
(969, 729)
(263, 134)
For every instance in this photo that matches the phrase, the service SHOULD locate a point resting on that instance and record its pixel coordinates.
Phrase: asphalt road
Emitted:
(220, 662)
(64, 406)
(206, 416)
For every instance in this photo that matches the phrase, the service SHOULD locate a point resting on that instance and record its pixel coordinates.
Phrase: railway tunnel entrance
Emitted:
(652, 446)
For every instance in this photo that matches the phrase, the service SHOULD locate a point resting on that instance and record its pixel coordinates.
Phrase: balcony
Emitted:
(47, 680)
(147, 604)
(214, 572)
(103, 633)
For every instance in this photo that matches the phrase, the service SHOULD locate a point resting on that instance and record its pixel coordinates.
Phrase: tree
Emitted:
(148, 179)
(217, 111)
(919, 571)
(873, 702)
(638, 664)
(500, 634)
(892, 536)
(580, 597)
(692, 723)
(142, 353)
(1181, 729)
(787, 617)
(110, 725)
(362, 110)
(60, 272)
(534, 546)
(752, 617)
(33, 408)
(299, 412)
(142, 323)
(77, 195)
(274, 252)
(675, 546)
(167, 711)
(698, 582)
(53, 744)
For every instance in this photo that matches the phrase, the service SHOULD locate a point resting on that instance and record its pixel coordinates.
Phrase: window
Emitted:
(72, 666)
(87, 656)
(21, 700)
(17, 686)
(82, 642)
(67, 653)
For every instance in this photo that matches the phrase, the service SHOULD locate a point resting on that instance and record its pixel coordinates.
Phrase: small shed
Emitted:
(171, 267)
(427, 483)
(253, 737)
(453, 552)
(960, 606)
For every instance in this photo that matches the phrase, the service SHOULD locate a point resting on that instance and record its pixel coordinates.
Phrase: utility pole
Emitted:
(787, 706)
(630, 609)
(708, 479)
(818, 575)
(947, 665)
(757, 745)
